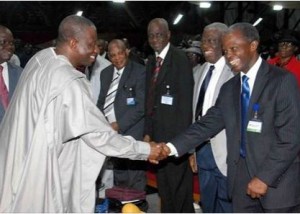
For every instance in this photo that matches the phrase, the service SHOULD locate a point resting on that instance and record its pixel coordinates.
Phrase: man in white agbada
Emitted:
(53, 137)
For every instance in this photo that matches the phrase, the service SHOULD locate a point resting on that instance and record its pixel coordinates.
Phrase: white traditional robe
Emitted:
(54, 140)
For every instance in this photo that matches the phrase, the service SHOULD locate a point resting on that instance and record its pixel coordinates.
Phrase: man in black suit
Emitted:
(169, 89)
(8, 71)
(127, 113)
(263, 157)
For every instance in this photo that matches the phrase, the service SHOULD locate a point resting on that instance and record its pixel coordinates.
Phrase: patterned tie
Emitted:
(156, 69)
(3, 90)
(150, 101)
(245, 97)
(202, 92)
(111, 94)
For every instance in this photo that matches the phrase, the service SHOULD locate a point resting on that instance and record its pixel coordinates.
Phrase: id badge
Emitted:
(130, 101)
(167, 100)
(254, 126)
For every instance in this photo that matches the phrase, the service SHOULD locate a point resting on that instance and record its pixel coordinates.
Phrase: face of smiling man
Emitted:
(7, 46)
(240, 53)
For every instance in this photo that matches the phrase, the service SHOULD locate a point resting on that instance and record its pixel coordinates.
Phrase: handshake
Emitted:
(159, 151)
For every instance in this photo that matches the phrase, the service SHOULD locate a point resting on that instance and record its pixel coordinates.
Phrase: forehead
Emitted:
(156, 27)
(234, 35)
(116, 47)
(5, 33)
(211, 33)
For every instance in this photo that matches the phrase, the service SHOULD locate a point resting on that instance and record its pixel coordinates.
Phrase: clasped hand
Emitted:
(159, 151)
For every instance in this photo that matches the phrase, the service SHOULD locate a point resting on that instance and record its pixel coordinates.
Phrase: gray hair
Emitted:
(221, 27)
(161, 22)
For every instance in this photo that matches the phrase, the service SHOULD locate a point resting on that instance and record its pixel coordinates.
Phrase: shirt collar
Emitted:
(164, 52)
(4, 65)
(118, 71)
(219, 65)
(253, 70)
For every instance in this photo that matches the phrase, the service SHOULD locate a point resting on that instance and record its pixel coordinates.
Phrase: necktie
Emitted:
(111, 94)
(3, 90)
(245, 97)
(150, 100)
(202, 91)
(156, 69)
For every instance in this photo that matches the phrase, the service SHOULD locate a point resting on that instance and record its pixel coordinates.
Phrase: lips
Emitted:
(207, 53)
(234, 62)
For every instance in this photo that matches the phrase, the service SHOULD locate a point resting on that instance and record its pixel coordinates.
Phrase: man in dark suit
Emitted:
(127, 113)
(9, 72)
(263, 157)
(169, 90)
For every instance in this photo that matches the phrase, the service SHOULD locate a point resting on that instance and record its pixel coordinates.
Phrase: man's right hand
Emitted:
(155, 152)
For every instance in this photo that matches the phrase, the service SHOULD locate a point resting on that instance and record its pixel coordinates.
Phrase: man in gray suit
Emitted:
(211, 156)
(8, 71)
(127, 113)
(263, 151)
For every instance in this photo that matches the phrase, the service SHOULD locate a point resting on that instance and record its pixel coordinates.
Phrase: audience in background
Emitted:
(286, 56)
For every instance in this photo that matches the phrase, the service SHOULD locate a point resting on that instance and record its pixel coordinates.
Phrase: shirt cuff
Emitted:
(173, 150)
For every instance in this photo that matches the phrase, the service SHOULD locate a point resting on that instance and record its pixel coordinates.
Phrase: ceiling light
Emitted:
(119, 1)
(79, 13)
(277, 7)
(257, 21)
(178, 18)
(204, 4)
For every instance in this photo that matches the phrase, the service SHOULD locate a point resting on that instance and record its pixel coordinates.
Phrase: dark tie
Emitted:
(3, 90)
(150, 100)
(202, 92)
(245, 97)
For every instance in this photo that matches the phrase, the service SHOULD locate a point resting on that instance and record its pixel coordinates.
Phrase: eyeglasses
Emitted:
(285, 44)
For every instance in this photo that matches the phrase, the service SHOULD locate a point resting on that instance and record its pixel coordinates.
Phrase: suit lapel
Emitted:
(236, 96)
(165, 67)
(125, 75)
(12, 79)
(107, 80)
(259, 85)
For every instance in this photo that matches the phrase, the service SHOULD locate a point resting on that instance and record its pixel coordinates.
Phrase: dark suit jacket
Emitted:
(273, 154)
(14, 73)
(129, 118)
(169, 120)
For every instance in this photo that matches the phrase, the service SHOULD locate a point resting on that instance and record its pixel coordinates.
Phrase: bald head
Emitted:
(117, 43)
(73, 26)
(159, 21)
(4, 29)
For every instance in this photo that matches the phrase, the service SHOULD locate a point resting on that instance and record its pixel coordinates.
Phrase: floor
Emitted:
(154, 203)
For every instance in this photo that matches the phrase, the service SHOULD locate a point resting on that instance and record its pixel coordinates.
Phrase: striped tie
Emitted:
(3, 90)
(111, 94)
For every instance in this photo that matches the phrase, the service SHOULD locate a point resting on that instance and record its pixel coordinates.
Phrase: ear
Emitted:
(169, 35)
(73, 43)
(254, 45)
